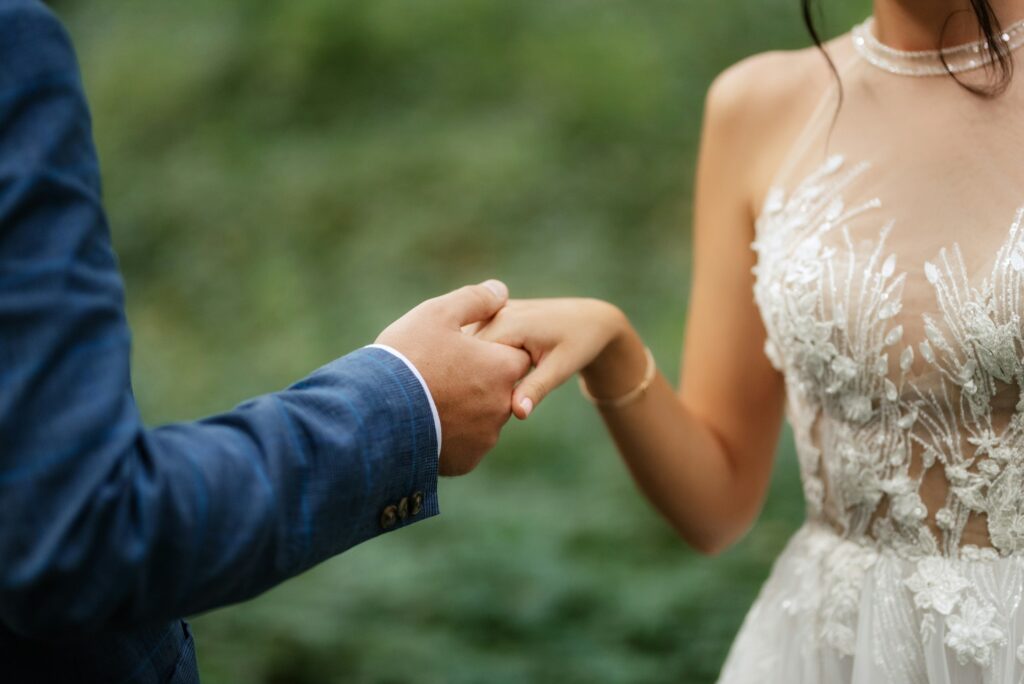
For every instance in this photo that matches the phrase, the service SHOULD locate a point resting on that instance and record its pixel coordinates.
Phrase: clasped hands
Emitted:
(486, 357)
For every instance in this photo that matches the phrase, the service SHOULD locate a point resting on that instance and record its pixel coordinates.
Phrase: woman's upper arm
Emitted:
(727, 380)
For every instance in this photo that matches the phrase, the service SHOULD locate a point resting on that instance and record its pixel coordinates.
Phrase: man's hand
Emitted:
(471, 380)
(566, 336)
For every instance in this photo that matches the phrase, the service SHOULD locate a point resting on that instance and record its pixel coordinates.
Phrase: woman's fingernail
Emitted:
(527, 405)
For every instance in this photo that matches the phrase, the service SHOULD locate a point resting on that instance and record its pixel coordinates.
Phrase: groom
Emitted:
(110, 532)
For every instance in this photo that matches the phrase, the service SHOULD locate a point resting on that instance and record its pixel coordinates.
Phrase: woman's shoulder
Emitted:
(756, 109)
(769, 86)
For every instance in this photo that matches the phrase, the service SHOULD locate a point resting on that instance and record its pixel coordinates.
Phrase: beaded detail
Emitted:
(862, 416)
(958, 59)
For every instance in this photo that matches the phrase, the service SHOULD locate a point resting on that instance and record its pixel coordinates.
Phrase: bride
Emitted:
(859, 267)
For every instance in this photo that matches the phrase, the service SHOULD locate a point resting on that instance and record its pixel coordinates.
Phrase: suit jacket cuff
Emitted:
(403, 484)
(423, 383)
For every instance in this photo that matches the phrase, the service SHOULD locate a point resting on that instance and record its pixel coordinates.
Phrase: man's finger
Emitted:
(517, 361)
(475, 303)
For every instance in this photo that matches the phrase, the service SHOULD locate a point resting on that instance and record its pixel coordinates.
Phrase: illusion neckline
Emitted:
(956, 59)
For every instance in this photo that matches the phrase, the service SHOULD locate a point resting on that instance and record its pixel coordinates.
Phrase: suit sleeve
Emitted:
(104, 523)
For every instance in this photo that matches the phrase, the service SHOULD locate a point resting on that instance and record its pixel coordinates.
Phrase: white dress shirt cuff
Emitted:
(426, 390)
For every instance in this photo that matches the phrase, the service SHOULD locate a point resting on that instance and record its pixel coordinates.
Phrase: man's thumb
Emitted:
(475, 303)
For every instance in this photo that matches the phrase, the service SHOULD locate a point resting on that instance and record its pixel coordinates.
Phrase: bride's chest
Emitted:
(863, 311)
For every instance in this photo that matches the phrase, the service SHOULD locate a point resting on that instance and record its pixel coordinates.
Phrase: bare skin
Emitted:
(917, 24)
(471, 380)
(703, 455)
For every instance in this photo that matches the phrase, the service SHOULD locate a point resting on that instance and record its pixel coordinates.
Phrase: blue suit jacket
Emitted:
(110, 532)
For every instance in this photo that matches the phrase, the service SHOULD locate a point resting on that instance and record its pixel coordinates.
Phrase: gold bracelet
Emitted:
(630, 396)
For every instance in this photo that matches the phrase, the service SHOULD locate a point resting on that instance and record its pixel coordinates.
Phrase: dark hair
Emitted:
(1001, 67)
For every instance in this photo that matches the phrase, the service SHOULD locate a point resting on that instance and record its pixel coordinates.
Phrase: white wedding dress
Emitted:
(890, 278)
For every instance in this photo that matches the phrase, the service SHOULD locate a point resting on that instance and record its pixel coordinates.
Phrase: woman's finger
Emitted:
(503, 329)
(554, 369)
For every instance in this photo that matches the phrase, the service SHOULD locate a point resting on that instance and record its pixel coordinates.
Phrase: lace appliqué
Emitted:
(831, 315)
(971, 628)
(869, 426)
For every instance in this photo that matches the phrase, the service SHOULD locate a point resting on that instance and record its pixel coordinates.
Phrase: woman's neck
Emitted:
(918, 24)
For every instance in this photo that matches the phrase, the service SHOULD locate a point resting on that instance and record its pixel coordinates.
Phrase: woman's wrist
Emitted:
(621, 365)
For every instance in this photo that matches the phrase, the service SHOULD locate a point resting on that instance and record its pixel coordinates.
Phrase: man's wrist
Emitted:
(426, 388)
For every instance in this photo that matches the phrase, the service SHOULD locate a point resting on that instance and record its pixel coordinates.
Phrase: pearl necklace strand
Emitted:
(929, 62)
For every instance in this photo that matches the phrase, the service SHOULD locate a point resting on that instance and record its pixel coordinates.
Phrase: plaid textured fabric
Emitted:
(109, 531)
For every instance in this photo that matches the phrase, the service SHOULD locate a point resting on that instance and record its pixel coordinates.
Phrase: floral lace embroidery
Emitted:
(972, 634)
(971, 629)
(833, 330)
(937, 585)
(862, 416)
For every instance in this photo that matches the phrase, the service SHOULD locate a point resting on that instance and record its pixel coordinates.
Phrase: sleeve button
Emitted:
(389, 517)
(403, 508)
(417, 503)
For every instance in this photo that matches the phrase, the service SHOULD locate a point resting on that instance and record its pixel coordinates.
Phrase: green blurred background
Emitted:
(286, 177)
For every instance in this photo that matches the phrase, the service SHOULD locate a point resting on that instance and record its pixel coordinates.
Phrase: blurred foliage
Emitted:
(285, 177)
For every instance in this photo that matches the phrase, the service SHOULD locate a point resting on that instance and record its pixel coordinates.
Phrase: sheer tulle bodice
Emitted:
(890, 278)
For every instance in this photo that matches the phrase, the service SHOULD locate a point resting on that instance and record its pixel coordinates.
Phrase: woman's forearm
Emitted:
(708, 481)
(676, 458)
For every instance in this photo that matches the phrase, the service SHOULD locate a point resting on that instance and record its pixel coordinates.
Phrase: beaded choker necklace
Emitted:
(929, 62)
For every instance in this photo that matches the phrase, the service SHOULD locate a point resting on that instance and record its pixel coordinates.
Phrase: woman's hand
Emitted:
(566, 336)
